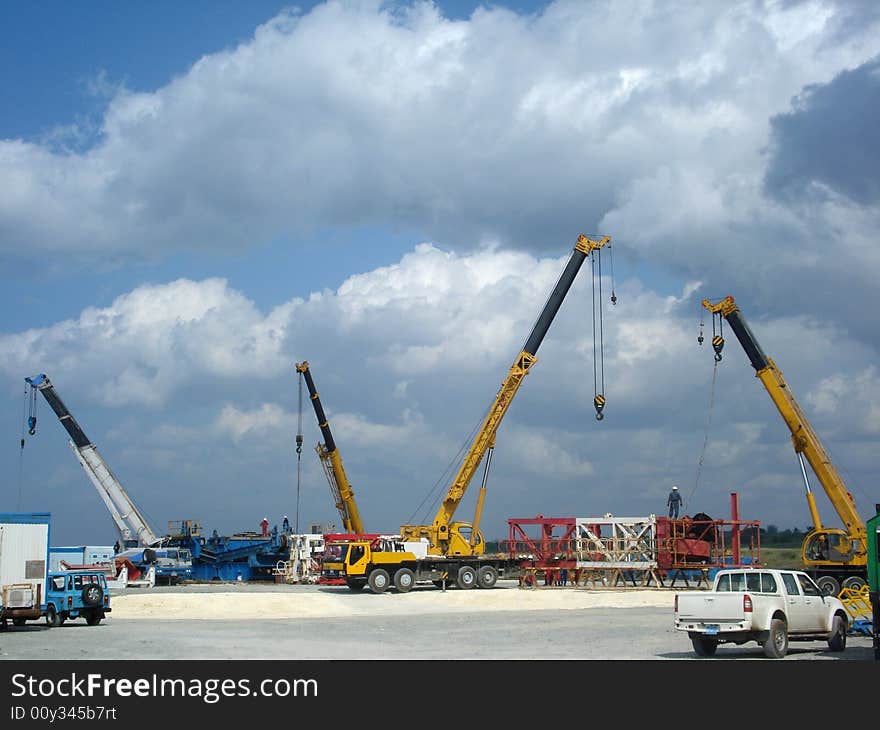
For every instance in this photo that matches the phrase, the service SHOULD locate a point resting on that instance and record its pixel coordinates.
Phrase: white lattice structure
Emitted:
(616, 542)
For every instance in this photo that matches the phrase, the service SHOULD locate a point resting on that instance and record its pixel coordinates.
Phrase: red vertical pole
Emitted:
(734, 515)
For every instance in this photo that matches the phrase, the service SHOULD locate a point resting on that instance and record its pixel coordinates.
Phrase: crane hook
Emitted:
(718, 346)
(599, 404)
(32, 425)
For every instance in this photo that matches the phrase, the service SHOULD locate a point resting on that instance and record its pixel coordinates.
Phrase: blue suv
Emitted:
(77, 593)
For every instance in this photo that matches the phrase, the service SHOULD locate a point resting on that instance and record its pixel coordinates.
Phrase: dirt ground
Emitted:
(301, 601)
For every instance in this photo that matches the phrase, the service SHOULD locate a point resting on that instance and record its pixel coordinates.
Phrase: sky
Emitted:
(198, 196)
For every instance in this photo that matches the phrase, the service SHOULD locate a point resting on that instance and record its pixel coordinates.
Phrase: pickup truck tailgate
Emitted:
(714, 607)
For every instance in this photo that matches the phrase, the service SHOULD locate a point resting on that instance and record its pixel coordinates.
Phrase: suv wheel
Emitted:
(92, 595)
(52, 617)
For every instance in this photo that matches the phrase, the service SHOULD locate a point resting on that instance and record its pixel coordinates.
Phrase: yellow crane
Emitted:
(340, 487)
(834, 557)
(447, 552)
(444, 536)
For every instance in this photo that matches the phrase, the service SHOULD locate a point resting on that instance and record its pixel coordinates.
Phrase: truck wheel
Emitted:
(828, 585)
(776, 644)
(379, 580)
(92, 595)
(487, 576)
(404, 580)
(704, 646)
(837, 638)
(93, 618)
(52, 617)
(18, 622)
(355, 585)
(854, 583)
(466, 578)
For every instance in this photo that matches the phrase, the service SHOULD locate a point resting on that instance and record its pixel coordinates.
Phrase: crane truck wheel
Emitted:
(466, 578)
(854, 583)
(404, 580)
(379, 580)
(487, 576)
(355, 585)
(828, 585)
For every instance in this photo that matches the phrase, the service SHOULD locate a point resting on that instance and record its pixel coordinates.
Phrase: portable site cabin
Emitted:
(24, 557)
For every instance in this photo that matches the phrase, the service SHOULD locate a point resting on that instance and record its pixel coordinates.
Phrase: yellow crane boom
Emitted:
(444, 536)
(831, 555)
(340, 487)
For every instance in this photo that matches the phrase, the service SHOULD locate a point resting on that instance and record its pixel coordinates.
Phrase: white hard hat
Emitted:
(674, 487)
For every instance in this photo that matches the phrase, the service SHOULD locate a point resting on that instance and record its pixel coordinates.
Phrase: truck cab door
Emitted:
(356, 559)
(813, 601)
(795, 608)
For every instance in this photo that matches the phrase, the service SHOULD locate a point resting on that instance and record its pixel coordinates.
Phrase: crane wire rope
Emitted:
(433, 493)
(598, 362)
(24, 416)
(708, 414)
(299, 443)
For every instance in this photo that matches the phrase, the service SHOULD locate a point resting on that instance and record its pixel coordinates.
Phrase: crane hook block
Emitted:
(32, 425)
(718, 346)
(299, 443)
(599, 404)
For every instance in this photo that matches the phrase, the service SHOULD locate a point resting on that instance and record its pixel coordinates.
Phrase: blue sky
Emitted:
(199, 195)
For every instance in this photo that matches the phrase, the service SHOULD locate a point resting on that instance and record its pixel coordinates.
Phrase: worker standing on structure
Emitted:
(264, 527)
(674, 502)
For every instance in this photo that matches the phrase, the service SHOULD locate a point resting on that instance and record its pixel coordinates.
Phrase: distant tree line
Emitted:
(772, 536)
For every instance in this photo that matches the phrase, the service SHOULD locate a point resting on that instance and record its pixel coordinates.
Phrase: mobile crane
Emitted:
(833, 557)
(454, 551)
(340, 487)
(136, 536)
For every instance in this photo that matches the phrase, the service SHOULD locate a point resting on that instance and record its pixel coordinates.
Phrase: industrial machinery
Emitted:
(874, 577)
(833, 557)
(340, 487)
(444, 536)
(454, 550)
(136, 536)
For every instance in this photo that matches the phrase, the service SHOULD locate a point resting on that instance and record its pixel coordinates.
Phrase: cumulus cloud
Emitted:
(152, 341)
(502, 126)
(191, 387)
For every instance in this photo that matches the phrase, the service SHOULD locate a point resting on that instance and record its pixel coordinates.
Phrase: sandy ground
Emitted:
(306, 602)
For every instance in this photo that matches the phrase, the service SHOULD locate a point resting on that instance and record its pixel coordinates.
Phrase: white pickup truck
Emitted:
(770, 607)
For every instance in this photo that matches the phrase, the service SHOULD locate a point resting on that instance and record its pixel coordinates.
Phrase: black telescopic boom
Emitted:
(67, 420)
(554, 302)
(744, 334)
(329, 443)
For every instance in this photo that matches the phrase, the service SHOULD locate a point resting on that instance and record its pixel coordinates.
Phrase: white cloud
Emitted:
(151, 378)
(500, 126)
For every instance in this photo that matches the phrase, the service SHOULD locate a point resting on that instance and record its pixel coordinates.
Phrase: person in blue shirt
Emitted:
(674, 501)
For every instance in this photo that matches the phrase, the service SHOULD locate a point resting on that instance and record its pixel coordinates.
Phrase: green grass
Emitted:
(782, 558)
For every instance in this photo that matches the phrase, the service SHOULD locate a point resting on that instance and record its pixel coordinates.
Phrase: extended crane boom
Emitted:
(459, 538)
(133, 527)
(340, 487)
(832, 556)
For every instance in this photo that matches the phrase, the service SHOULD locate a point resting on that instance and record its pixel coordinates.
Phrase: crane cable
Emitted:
(710, 409)
(299, 443)
(28, 415)
(599, 362)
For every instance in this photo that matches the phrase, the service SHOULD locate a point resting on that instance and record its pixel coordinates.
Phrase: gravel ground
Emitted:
(253, 621)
